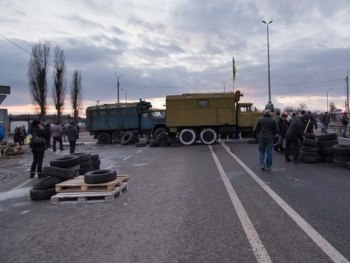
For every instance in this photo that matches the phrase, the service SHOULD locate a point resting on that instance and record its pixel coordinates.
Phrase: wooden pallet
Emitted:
(88, 197)
(77, 184)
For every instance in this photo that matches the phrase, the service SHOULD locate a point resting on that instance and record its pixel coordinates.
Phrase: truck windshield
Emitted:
(156, 114)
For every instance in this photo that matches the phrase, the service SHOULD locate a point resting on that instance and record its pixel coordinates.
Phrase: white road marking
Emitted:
(259, 250)
(127, 157)
(325, 246)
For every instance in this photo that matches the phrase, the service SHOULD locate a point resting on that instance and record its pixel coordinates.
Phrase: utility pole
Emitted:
(118, 77)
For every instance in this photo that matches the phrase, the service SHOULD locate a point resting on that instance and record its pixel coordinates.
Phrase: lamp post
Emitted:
(126, 95)
(118, 77)
(347, 91)
(327, 97)
(269, 105)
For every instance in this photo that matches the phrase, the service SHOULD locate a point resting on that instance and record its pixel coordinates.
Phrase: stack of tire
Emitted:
(341, 156)
(69, 162)
(96, 161)
(85, 162)
(326, 141)
(44, 187)
(309, 152)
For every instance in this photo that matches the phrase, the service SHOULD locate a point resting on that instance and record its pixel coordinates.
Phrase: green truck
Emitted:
(125, 122)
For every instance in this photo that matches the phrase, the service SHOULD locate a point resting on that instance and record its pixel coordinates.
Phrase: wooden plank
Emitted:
(88, 197)
(77, 184)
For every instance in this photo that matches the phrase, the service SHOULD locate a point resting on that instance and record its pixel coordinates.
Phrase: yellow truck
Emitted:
(208, 116)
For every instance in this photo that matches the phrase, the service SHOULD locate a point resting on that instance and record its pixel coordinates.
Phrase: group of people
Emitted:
(37, 129)
(273, 133)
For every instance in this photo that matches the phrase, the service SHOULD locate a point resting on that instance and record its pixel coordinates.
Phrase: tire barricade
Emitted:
(65, 168)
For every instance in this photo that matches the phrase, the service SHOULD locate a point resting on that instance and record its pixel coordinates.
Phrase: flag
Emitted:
(234, 69)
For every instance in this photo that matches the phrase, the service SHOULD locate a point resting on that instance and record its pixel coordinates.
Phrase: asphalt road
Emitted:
(184, 204)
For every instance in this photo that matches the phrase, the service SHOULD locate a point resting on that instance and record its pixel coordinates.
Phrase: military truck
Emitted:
(208, 116)
(124, 123)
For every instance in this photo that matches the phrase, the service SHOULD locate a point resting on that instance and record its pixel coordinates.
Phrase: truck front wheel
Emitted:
(208, 136)
(104, 138)
(187, 136)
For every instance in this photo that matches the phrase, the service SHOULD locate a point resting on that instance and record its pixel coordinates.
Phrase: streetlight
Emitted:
(327, 97)
(269, 105)
(126, 95)
(347, 91)
(118, 77)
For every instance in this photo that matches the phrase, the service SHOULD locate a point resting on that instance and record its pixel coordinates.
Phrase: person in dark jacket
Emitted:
(312, 123)
(72, 135)
(345, 122)
(38, 149)
(265, 129)
(325, 120)
(294, 134)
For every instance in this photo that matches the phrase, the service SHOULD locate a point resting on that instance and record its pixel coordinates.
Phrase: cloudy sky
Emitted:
(160, 48)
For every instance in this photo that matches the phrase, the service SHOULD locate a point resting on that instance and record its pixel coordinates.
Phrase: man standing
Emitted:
(294, 134)
(265, 129)
(345, 122)
(325, 121)
(56, 132)
(72, 134)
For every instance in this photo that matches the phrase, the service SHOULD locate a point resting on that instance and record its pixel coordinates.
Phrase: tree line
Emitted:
(37, 75)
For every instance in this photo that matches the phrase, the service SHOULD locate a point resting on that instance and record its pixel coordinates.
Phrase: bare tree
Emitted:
(37, 77)
(59, 88)
(76, 94)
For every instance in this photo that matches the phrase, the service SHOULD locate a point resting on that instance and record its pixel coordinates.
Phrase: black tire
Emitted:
(116, 136)
(327, 137)
(61, 173)
(46, 183)
(85, 164)
(328, 143)
(94, 157)
(341, 150)
(45, 194)
(340, 163)
(208, 136)
(96, 162)
(127, 138)
(187, 136)
(158, 131)
(100, 176)
(309, 154)
(309, 142)
(104, 138)
(309, 135)
(309, 149)
(326, 150)
(82, 156)
(65, 161)
(342, 157)
(310, 159)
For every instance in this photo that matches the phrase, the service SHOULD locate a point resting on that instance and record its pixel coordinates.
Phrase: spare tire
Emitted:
(100, 176)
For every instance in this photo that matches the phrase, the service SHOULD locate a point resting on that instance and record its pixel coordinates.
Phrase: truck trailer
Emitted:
(208, 116)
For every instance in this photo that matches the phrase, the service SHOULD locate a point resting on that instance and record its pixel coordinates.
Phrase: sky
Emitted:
(158, 48)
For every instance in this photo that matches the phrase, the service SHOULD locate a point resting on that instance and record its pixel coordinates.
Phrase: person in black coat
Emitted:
(38, 148)
(294, 134)
(72, 135)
